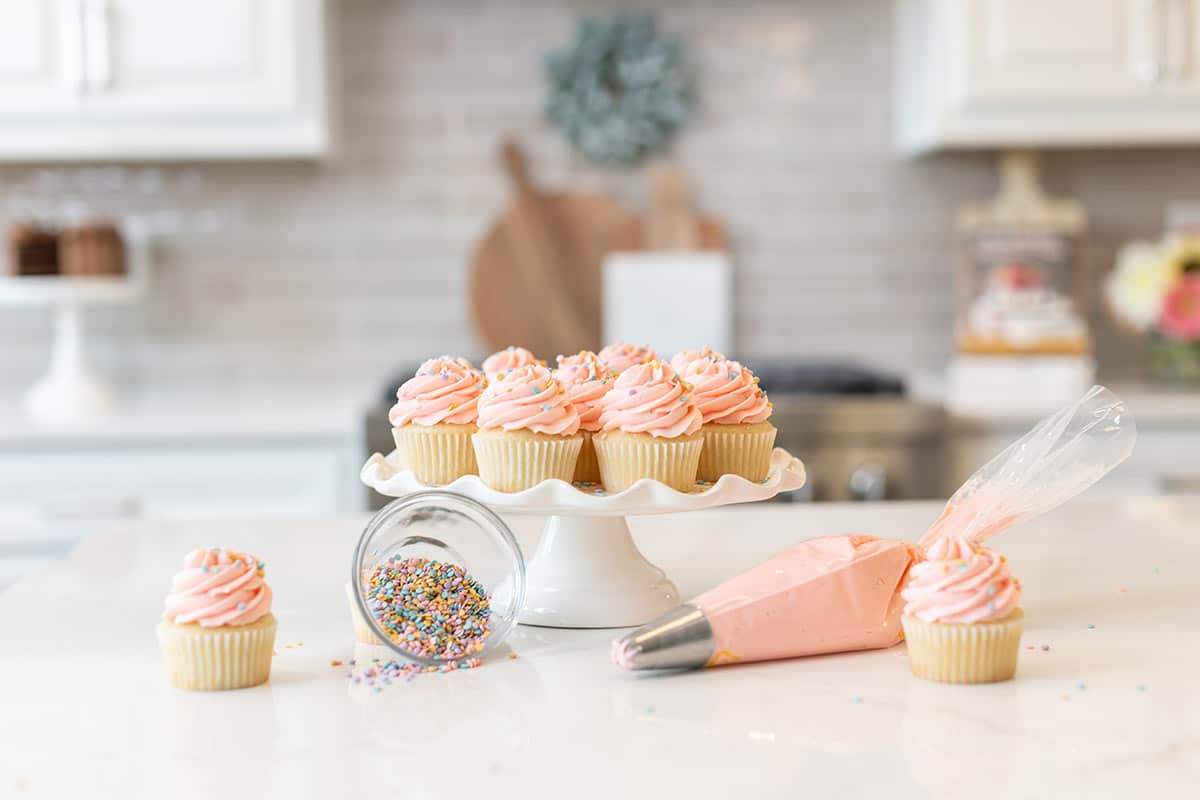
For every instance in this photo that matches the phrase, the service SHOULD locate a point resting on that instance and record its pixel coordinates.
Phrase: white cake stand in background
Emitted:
(587, 571)
(71, 393)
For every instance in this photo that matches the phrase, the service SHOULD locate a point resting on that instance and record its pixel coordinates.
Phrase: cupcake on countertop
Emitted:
(684, 358)
(217, 629)
(586, 381)
(528, 430)
(650, 428)
(621, 356)
(737, 437)
(962, 617)
(434, 417)
(508, 359)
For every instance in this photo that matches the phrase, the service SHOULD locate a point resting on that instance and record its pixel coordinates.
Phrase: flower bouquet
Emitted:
(1155, 290)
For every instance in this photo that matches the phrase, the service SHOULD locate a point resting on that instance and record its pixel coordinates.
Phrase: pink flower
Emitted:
(1180, 318)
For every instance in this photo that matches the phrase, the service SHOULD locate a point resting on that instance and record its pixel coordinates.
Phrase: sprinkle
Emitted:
(991, 590)
(546, 407)
(204, 568)
(855, 700)
(1045, 648)
(536, 389)
(1091, 627)
(1141, 687)
(512, 656)
(241, 606)
(334, 663)
(632, 392)
(1028, 647)
(1155, 570)
(1081, 686)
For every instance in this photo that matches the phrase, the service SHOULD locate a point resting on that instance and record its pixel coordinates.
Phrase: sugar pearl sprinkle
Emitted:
(430, 608)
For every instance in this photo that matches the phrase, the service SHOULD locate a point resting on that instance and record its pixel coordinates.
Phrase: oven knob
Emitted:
(867, 482)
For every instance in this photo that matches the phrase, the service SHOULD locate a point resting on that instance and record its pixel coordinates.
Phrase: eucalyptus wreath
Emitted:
(620, 90)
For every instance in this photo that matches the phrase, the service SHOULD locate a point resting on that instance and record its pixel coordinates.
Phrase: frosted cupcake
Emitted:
(621, 356)
(217, 629)
(508, 359)
(737, 437)
(962, 616)
(681, 360)
(586, 381)
(434, 418)
(650, 428)
(528, 430)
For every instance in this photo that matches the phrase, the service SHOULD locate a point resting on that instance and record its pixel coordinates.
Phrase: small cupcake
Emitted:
(962, 617)
(586, 381)
(434, 418)
(650, 428)
(621, 356)
(217, 630)
(508, 359)
(528, 430)
(681, 360)
(737, 437)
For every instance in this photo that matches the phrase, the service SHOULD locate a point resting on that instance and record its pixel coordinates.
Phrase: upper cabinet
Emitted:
(1026, 73)
(147, 79)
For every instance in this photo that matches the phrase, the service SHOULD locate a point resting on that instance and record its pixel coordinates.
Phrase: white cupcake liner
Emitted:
(512, 461)
(743, 450)
(436, 454)
(977, 652)
(214, 659)
(626, 458)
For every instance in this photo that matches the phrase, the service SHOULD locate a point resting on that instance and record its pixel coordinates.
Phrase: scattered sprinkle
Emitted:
(1155, 570)
(1065, 697)
(1081, 686)
(512, 656)
(1028, 647)
(1091, 627)
(1045, 648)
(856, 700)
(1141, 687)
(334, 662)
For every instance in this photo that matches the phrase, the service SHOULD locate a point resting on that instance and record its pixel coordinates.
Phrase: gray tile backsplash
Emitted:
(340, 270)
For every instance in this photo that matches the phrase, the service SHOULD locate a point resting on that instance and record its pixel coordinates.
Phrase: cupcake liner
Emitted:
(214, 659)
(587, 468)
(978, 652)
(626, 458)
(437, 454)
(512, 461)
(362, 628)
(736, 450)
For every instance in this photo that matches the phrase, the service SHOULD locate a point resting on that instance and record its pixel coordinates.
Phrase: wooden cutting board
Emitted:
(536, 274)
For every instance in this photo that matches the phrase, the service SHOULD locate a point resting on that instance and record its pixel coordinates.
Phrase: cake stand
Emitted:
(587, 571)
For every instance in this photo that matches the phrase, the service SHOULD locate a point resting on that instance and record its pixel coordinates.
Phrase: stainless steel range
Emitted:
(859, 435)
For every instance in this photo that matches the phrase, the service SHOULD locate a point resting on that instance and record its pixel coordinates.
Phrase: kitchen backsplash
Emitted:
(344, 269)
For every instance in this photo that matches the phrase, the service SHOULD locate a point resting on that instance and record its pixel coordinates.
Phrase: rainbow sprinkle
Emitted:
(430, 608)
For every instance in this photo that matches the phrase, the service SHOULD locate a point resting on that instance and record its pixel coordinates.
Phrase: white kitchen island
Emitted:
(1105, 704)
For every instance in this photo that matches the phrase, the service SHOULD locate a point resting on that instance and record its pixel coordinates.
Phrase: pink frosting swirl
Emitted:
(507, 359)
(726, 392)
(622, 355)
(528, 398)
(961, 582)
(681, 360)
(444, 389)
(650, 398)
(218, 587)
(586, 381)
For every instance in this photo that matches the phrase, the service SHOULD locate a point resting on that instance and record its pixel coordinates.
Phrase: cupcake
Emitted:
(621, 356)
(961, 616)
(586, 381)
(681, 360)
(217, 629)
(650, 428)
(509, 358)
(737, 437)
(434, 418)
(528, 430)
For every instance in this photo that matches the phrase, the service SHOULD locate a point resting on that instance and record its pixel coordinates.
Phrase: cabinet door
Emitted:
(1076, 50)
(41, 53)
(191, 58)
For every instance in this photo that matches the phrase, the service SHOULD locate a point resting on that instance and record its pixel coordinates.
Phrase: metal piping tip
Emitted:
(679, 639)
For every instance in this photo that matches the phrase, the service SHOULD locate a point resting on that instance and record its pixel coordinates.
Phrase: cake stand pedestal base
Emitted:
(588, 573)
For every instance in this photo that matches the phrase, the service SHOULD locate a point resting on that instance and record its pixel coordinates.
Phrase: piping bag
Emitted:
(841, 593)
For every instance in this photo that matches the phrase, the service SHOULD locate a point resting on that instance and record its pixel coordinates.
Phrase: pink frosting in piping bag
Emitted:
(218, 587)
(528, 398)
(586, 381)
(650, 398)
(444, 389)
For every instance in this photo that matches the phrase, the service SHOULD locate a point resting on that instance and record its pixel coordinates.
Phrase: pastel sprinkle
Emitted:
(1091, 627)
(632, 392)
(1045, 648)
(334, 662)
(1081, 686)
(241, 606)
(1155, 570)
(856, 700)
(1141, 687)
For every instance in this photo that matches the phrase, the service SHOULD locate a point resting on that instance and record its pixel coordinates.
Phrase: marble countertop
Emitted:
(1105, 703)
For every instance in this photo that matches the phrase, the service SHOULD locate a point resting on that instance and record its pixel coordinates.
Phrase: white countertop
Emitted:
(1111, 710)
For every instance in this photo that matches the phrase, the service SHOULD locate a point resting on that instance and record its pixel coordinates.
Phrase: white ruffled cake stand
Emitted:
(587, 571)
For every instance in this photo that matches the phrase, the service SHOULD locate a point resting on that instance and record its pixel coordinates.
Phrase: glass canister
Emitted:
(427, 548)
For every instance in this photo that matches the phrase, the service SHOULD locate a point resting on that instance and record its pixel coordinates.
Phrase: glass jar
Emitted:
(449, 528)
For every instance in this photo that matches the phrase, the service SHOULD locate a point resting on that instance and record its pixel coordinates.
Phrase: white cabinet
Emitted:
(148, 79)
(1019, 73)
